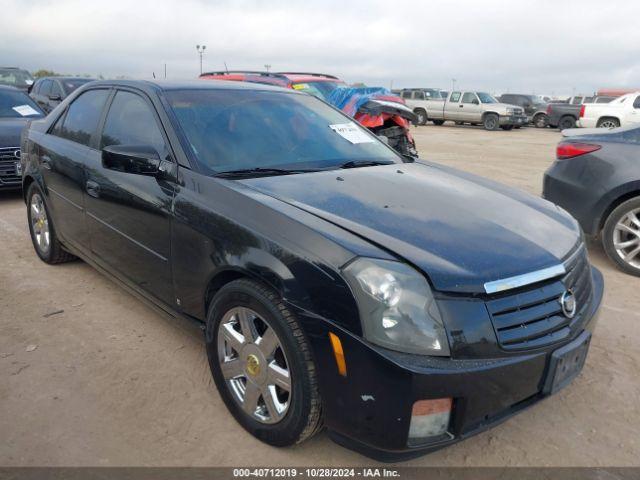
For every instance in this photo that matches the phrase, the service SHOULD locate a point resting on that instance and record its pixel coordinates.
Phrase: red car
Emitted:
(376, 108)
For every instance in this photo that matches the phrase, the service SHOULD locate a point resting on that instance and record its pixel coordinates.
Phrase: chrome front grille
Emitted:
(533, 317)
(9, 157)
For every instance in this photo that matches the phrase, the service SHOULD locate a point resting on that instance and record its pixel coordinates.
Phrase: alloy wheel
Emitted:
(626, 238)
(608, 124)
(254, 365)
(40, 224)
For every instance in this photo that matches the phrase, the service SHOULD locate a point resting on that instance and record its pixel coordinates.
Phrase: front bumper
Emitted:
(515, 120)
(369, 410)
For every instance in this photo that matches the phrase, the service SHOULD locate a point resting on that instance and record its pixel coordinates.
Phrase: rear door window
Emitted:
(455, 96)
(55, 89)
(418, 95)
(45, 88)
(406, 94)
(83, 116)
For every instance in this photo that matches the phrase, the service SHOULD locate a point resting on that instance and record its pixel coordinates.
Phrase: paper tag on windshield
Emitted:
(26, 110)
(351, 132)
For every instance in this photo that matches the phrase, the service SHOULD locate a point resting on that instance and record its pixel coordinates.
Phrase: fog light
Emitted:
(429, 418)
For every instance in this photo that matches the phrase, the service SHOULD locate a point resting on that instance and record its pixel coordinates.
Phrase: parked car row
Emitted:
(471, 107)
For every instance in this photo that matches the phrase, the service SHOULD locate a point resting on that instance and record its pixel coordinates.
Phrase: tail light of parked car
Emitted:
(565, 151)
(549, 109)
(582, 109)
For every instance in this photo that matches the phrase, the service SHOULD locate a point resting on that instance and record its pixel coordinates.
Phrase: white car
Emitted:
(624, 110)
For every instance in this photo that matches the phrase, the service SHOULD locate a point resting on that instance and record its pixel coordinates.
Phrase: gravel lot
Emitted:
(109, 381)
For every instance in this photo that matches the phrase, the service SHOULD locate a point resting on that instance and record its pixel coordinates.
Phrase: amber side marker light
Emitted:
(338, 353)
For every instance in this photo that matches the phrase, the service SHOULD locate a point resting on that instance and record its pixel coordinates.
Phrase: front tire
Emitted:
(261, 363)
(541, 120)
(43, 234)
(507, 127)
(491, 121)
(438, 122)
(621, 236)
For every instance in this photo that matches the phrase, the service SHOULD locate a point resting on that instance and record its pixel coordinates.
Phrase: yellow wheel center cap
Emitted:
(253, 365)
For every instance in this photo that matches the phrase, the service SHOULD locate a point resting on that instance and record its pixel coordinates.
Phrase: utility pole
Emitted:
(200, 50)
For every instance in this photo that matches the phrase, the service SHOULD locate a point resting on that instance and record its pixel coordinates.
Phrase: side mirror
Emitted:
(475, 101)
(135, 159)
(55, 98)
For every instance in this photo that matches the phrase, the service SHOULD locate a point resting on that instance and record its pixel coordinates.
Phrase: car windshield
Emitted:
(72, 83)
(321, 89)
(486, 98)
(15, 104)
(240, 130)
(15, 77)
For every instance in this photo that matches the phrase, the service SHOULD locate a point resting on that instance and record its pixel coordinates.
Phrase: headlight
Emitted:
(397, 308)
(510, 111)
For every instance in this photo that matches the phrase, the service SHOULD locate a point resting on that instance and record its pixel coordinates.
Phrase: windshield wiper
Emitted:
(364, 163)
(259, 172)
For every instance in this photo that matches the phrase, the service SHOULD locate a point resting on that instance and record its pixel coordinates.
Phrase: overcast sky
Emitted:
(549, 47)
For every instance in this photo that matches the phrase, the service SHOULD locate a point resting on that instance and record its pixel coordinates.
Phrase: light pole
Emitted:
(267, 67)
(200, 50)
(453, 84)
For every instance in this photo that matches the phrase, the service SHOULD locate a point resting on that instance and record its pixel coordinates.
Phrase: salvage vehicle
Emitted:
(565, 115)
(401, 304)
(16, 109)
(475, 108)
(48, 92)
(376, 108)
(16, 77)
(596, 178)
(535, 108)
(622, 111)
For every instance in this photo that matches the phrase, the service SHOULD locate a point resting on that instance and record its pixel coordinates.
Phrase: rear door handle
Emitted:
(93, 188)
(461, 106)
(46, 161)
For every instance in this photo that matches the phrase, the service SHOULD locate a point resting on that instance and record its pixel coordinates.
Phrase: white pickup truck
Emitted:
(476, 108)
(624, 110)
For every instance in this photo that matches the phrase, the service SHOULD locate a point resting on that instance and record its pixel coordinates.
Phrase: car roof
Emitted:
(66, 78)
(201, 84)
(10, 88)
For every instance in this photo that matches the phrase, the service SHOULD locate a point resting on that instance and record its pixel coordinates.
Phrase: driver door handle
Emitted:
(93, 188)
(46, 161)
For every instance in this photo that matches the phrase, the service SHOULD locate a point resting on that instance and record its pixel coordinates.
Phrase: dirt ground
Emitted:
(109, 381)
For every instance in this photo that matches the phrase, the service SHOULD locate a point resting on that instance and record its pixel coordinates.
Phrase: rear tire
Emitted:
(491, 121)
(566, 122)
(608, 123)
(507, 127)
(438, 122)
(279, 413)
(42, 231)
(619, 239)
(421, 115)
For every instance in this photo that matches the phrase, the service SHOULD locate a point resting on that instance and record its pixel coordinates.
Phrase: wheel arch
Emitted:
(613, 200)
(26, 183)
(608, 117)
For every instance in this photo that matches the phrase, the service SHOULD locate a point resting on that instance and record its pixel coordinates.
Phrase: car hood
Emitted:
(10, 130)
(460, 230)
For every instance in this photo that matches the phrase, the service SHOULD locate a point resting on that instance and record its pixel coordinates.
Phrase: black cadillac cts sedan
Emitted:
(401, 304)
